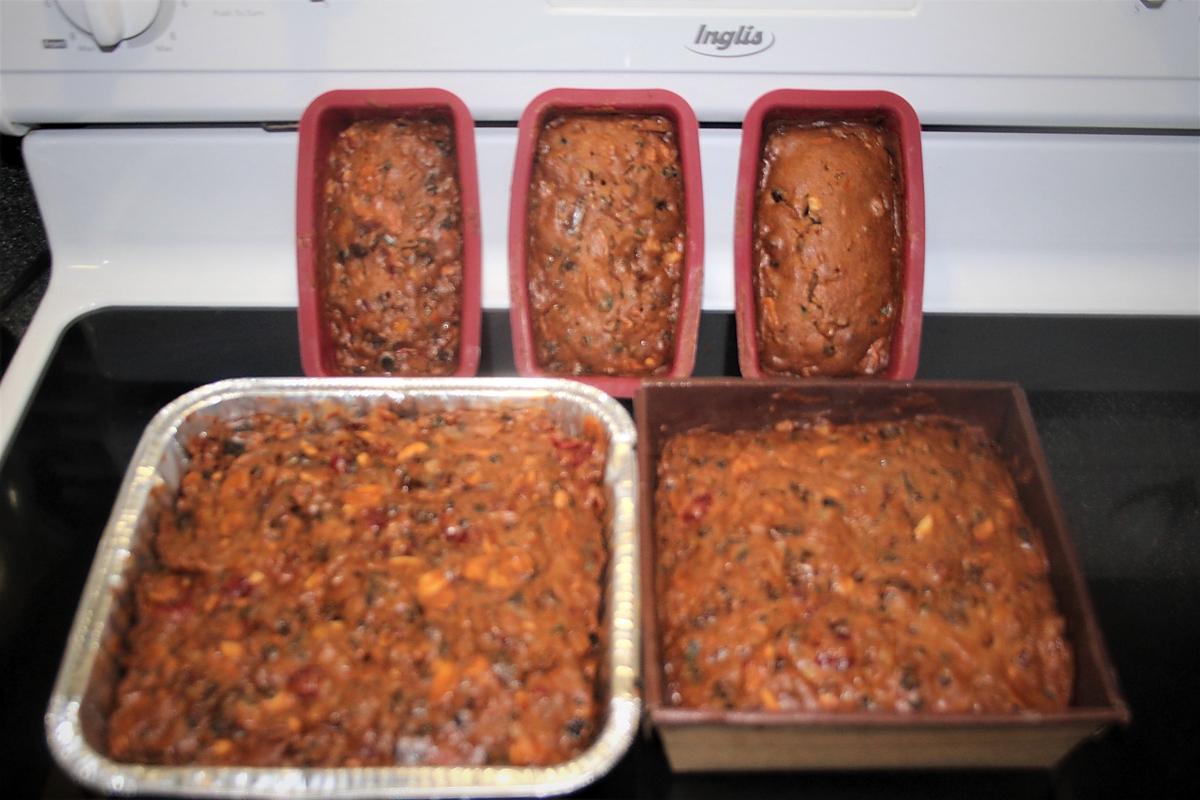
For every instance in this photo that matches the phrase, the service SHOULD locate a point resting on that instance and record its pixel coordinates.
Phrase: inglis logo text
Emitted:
(745, 41)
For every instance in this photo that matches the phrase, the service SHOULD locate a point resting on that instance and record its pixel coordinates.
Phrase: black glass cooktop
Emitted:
(1117, 403)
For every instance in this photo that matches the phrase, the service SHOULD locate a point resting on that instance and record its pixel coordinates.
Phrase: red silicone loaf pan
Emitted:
(649, 102)
(819, 108)
(323, 121)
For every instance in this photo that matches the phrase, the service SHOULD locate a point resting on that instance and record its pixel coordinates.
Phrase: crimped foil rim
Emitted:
(64, 728)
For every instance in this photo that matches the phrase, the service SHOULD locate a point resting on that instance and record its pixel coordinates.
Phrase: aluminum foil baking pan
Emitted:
(84, 691)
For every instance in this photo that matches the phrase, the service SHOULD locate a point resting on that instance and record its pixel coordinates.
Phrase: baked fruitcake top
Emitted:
(875, 566)
(606, 233)
(379, 588)
(827, 249)
(391, 250)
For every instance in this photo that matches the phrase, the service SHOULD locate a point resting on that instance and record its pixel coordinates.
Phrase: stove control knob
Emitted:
(110, 22)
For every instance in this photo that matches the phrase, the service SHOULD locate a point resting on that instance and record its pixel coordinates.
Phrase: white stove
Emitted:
(1062, 162)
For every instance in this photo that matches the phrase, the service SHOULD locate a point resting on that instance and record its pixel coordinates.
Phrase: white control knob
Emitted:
(110, 21)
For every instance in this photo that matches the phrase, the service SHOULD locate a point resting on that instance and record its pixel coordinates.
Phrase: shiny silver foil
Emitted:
(84, 692)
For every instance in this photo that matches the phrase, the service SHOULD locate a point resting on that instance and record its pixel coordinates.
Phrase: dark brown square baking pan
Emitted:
(704, 740)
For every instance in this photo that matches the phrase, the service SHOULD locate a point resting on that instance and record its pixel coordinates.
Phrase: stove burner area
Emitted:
(24, 253)
(1117, 405)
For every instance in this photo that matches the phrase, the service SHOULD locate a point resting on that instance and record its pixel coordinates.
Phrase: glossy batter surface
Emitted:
(606, 244)
(878, 566)
(827, 249)
(391, 259)
(386, 588)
